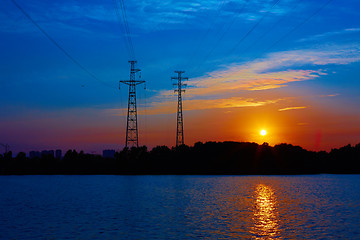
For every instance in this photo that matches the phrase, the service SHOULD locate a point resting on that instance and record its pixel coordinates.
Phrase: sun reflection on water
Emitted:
(266, 220)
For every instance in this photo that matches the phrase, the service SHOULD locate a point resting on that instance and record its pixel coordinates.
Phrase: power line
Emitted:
(302, 23)
(272, 27)
(206, 33)
(58, 45)
(253, 28)
(123, 34)
(220, 39)
(126, 26)
(294, 29)
(132, 134)
(197, 48)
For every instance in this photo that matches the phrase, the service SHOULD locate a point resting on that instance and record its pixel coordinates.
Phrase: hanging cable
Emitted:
(253, 28)
(272, 27)
(200, 43)
(59, 46)
(124, 21)
(121, 25)
(220, 39)
(294, 29)
(127, 28)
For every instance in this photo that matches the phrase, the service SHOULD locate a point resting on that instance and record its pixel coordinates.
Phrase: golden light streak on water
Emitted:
(266, 219)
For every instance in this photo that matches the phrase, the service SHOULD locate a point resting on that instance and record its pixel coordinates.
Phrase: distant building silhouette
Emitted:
(219, 158)
(108, 153)
(58, 154)
(47, 153)
(33, 154)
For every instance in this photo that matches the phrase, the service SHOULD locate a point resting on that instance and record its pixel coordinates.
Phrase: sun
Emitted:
(263, 132)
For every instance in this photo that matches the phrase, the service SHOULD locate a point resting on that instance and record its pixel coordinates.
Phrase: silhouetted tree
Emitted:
(202, 158)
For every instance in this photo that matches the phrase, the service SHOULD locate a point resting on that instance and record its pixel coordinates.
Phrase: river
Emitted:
(180, 207)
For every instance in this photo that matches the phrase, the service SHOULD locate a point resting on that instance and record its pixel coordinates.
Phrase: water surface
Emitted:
(180, 207)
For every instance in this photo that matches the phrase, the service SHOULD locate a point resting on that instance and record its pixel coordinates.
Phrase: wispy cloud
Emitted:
(100, 12)
(249, 77)
(57, 15)
(322, 55)
(150, 15)
(274, 71)
(330, 95)
(170, 13)
(330, 34)
(167, 107)
(291, 108)
(226, 88)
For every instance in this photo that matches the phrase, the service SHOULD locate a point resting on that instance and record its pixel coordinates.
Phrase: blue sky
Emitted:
(240, 56)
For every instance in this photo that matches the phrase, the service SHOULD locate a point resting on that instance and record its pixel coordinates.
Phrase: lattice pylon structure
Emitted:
(132, 135)
(179, 115)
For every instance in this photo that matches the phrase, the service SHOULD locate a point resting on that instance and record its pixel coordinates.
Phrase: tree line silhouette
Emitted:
(220, 158)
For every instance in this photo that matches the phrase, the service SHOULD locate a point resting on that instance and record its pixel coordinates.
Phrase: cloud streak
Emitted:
(167, 107)
(330, 95)
(291, 108)
(226, 88)
(147, 15)
(330, 34)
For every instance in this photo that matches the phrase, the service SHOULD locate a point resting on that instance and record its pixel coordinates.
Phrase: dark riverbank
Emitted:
(211, 158)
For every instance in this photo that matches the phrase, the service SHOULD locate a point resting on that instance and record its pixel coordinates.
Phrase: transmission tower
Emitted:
(6, 146)
(179, 116)
(132, 137)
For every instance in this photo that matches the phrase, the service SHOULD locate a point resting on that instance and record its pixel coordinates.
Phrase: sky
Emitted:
(290, 67)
